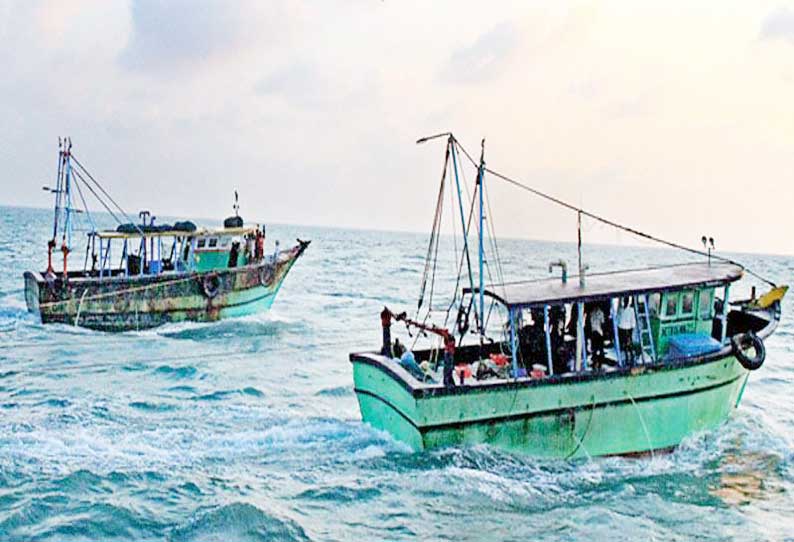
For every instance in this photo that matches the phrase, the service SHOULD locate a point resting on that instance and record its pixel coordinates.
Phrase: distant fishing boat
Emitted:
(142, 275)
(609, 363)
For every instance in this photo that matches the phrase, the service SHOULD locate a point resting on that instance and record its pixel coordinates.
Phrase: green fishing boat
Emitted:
(142, 275)
(612, 363)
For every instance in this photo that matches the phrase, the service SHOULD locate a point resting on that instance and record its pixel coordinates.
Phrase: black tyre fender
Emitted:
(743, 341)
(266, 274)
(462, 319)
(211, 285)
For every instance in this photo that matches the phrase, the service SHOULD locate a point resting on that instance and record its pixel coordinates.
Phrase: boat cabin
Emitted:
(644, 316)
(133, 251)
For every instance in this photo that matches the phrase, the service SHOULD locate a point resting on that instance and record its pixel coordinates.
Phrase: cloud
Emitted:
(313, 85)
(300, 83)
(484, 59)
(177, 34)
(779, 25)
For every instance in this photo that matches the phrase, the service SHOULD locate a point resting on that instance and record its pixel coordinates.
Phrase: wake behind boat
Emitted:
(617, 362)
(143, 275)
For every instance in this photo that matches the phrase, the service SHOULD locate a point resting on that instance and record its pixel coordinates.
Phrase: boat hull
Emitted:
(610, 414)
(135, 303)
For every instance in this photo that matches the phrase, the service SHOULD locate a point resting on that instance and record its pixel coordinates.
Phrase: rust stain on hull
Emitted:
(132, 303)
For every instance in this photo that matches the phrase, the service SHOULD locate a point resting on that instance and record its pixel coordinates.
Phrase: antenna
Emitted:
(143, 215)
(236, 205)
(708, 244)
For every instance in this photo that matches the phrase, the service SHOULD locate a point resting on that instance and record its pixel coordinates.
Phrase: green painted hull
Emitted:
(608, 414)
(124, 303)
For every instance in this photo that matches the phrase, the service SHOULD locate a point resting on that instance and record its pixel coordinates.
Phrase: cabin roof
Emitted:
(201, 232)
(613, 284)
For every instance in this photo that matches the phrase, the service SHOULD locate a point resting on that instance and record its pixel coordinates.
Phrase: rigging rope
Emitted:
(612, 223)
(432, 248)
(460, 267)
(108, 196)
(455, 247)
(100, 200)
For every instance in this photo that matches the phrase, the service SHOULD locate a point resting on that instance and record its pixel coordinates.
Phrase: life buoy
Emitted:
(463, 319)
(265, 275)
(211, 284)
(743, 341)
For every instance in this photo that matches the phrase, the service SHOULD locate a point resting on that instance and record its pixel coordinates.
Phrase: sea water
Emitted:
(248, 429)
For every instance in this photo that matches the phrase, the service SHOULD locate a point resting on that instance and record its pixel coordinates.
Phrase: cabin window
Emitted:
(225, 241)
(704, 304)
(213, 242)
(201, 243)
(687, 303)
(671, 304)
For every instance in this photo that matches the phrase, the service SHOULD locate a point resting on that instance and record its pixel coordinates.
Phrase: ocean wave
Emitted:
(258, 325)
(152, 407)
(340, 494)
(337, 391)
(185, 371)
(238, 521)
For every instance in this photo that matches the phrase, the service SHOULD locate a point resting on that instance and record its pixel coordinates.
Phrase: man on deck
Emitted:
(597, 335)
(627, 321)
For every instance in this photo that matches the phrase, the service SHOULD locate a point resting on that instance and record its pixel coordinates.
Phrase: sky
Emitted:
(676, 118)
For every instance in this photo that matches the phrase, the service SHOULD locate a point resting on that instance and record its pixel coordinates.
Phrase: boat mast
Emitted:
(66, 236)
(481, 254)
(451, 143)
(57, 191)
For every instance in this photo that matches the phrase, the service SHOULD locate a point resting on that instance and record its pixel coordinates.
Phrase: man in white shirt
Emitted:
(627, 321)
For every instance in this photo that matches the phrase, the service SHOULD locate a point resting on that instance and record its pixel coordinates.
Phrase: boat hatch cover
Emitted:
(614, 284)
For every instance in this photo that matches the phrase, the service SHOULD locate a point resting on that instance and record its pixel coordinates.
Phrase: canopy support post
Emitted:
(124, 260)
(616, 336)
(101, 260)
(513, 342)
(581, 344)
(724, 316)
(107, 261)
(579, 247)
(547, 333)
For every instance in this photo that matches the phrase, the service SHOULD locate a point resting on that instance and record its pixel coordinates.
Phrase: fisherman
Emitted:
(559, 351)
(597, 335)
(572, 328)
(397, 348)
(716, 323)
(627, 321)
(484, 371)
(259, 251)
(449, 361)
(385, 321)
(408, 362)
(536, 338)
(249, 246)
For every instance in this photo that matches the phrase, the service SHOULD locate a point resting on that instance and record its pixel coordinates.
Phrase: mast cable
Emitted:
(432, 249)
(608, 222)
(99, 199)
(131, 221)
